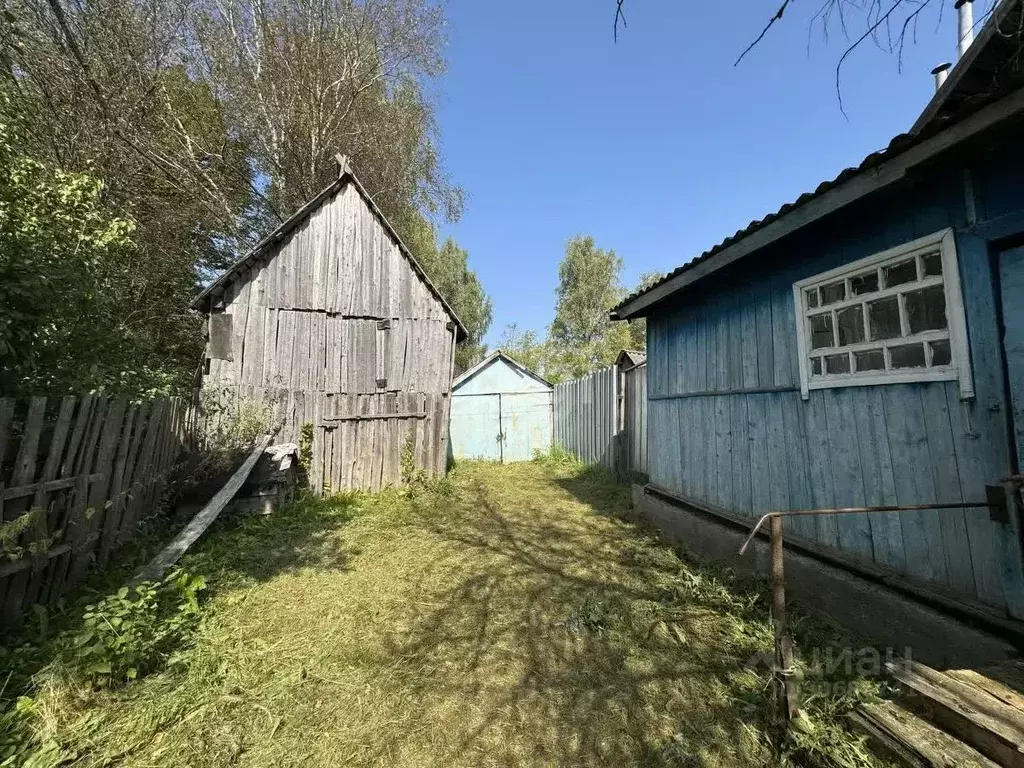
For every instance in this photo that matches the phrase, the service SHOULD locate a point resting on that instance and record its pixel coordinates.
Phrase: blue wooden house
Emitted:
(864, 346)
(501, 411)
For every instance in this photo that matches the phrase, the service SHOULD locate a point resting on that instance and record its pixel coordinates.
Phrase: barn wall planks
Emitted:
(728, 427)
(76, 476)
(335, 321)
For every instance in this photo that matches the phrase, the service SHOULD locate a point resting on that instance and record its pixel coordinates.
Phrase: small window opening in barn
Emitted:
(895, 317)
(220, 336)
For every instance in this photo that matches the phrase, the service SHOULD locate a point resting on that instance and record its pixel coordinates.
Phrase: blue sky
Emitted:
(657, 146)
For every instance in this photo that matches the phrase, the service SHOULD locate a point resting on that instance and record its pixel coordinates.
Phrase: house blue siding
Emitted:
(728, 427)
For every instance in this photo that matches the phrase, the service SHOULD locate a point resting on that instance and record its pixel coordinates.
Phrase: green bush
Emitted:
(130, 633)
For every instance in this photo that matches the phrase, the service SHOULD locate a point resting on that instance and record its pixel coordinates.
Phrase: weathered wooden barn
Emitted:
(331, 321)
(501, 411)
(864, 346)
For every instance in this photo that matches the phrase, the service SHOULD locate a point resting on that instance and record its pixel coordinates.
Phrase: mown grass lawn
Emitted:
(506, 617)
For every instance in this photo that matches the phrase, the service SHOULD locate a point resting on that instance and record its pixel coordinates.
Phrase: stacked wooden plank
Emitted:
(76, 475)
(958, 717)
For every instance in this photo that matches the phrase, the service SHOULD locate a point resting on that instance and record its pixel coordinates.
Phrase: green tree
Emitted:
(638, 328)
(70, 282)
(582, 336)
(529, 349)
(448, 268)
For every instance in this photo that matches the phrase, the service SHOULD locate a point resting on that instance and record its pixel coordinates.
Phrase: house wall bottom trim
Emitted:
(879, 615)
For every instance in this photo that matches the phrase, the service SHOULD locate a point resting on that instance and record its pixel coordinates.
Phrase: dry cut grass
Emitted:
(505, 618)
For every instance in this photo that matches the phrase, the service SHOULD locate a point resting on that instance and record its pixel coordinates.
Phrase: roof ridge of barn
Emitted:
(345, 176)
(496, 355)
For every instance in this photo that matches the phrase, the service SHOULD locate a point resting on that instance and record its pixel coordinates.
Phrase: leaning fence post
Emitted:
(785, 683)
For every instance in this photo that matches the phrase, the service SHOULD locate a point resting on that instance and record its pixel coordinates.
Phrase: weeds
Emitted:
(122, 637)
(504, 616)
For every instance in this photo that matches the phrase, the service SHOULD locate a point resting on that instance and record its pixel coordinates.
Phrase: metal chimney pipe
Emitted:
(941, 72)
(965, 26)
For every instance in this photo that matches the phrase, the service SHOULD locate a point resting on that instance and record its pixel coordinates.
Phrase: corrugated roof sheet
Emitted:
(947, 112)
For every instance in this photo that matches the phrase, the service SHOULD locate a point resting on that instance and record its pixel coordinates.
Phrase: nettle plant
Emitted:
(135, 630)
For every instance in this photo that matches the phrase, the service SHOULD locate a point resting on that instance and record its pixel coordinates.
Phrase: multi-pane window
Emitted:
(895, 317)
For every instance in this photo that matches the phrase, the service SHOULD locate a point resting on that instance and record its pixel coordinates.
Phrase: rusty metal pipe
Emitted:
(858, 510)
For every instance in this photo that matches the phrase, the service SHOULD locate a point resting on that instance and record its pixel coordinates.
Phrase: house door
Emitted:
(476, 427)
(1011, 281)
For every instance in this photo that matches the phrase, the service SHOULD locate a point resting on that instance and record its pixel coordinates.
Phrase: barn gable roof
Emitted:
(970, 105)
(345, 176)
(490, 360)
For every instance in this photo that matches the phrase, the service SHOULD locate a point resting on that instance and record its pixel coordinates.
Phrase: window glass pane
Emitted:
(812, 297)
(884, 318)
(869, 360)
(837, 363)
(864, 283)
(833, 292)
(851, 325)
(821, 331)
(940, 353)
(926, 309)
(932, 263)
(898, 274)
(816, 366)
(909, 356)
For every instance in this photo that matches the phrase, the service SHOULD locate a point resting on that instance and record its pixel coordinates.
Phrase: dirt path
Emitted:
(512, 620)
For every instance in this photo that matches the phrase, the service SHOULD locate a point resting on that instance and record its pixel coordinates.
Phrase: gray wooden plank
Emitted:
(742, 500)
(879, 482)
(760, 467)
(779, 459)
(946, 480)
(983, 535)
(749, 341)
(820, 464)
(723, 452)
(794, 428)
(167, 557)
(922, 536)
(841, 407)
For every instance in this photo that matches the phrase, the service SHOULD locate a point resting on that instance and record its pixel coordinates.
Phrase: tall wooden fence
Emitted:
(76, 475)
(586, 416)
(635, 418)
(602, 419)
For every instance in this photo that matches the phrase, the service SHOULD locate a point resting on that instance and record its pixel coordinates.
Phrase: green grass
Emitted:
(506, 616)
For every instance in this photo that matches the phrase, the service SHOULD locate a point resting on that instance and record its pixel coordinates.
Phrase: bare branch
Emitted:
(769, 25)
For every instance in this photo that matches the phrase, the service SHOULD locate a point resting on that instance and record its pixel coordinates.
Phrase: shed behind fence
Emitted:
(636, 417)
(76, 475)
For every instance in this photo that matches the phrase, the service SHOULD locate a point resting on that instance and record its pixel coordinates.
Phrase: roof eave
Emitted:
(850, 190)
(962, 68)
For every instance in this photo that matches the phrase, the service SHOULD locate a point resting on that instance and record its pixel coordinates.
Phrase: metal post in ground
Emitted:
(785, 684)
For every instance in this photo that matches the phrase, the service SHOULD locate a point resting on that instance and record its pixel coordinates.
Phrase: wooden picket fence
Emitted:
(77, 474)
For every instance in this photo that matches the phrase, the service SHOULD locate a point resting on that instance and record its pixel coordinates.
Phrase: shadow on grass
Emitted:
(580, 643)
(246, 548)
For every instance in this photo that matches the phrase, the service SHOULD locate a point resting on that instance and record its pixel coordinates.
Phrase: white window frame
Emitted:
(960, 365)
